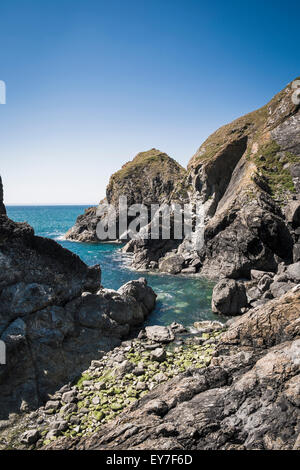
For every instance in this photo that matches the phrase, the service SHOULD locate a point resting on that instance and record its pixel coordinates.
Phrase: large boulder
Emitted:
(160, 334)
(141, 292)
(171, 264)
(229, 297)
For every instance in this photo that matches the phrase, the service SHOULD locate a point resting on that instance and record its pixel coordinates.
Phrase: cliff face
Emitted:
(54, 316)
(249, 169)
(246, 178)
(2, 206)
(152, 177)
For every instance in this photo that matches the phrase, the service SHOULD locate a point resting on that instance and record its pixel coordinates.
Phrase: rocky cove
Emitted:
(232, 385)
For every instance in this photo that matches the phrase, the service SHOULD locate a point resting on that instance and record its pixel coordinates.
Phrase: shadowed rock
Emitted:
(54, 315)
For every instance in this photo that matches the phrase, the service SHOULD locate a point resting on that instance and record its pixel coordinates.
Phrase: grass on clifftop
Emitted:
(154, 160)
(273, 165)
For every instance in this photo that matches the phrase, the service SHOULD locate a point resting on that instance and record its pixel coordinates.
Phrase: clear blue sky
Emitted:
(92, 83)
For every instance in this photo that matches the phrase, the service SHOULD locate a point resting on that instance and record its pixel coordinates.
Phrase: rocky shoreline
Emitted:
(232, 388)
(55, 316)
(72, 382)
(245, 177)
(246, 398)
(114, 383)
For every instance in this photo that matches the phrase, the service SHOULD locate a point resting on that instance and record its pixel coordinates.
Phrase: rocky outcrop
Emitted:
(247, 398)
(85, 226)
(2, 206)
(229, 297)
(232, 297)
(243, 177)
(152, 177)
(54, 315)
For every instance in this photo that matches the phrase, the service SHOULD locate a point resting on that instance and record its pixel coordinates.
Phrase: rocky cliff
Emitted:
(152, 177)
(245, 178)
(2, 206)
(55, 317)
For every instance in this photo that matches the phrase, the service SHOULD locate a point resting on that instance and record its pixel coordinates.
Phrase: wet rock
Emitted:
(178, 328)
(141, 292)
(189, 270)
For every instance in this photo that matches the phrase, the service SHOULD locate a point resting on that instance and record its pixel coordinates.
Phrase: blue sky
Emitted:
(92, 83)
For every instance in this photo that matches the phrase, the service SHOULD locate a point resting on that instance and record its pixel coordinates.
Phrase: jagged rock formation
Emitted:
(245, 177)
(84, 229)
(2, 206)
(54, 315)
(231, 297)
(152, 177)
(247, 398)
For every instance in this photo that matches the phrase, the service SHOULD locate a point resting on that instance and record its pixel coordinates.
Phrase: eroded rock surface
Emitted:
(247, 398)
(152, 177)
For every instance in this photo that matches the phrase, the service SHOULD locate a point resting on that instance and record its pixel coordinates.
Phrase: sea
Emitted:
(181, 298)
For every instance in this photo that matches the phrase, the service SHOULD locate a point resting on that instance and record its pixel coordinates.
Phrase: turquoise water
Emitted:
(181, 299)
